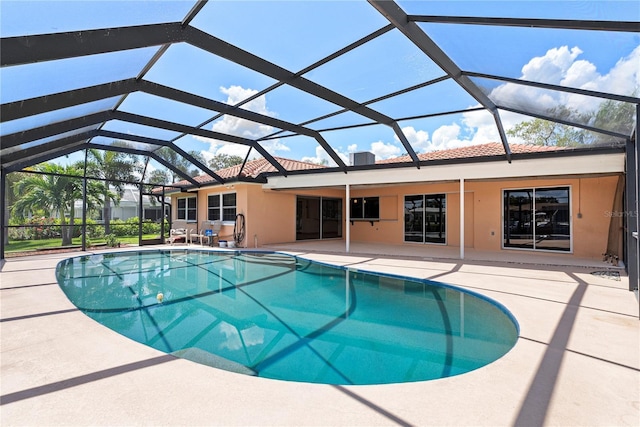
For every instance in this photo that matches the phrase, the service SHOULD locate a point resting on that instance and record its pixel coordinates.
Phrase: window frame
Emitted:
(424, 241)
(186, 209)
(533, 189)
(220, 209)
(363, 201)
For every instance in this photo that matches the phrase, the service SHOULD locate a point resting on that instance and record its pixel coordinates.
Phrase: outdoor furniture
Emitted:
(208, 231)
(179, 233)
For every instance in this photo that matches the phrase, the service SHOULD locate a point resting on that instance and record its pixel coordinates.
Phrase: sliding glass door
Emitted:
(318, 218)
(537, 218)
(425, 218)
(331, 218)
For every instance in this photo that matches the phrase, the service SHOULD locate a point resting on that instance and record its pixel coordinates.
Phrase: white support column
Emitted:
(348, 217)
(461, 218)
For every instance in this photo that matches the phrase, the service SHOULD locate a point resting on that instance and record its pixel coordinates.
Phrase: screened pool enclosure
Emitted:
(171, 85)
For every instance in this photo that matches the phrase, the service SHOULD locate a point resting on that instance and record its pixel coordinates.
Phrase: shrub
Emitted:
(35, 229)
(112, 240)
(129, 227)
(94, 231)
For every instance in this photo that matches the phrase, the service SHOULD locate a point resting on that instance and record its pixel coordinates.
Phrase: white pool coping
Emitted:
(577, 361)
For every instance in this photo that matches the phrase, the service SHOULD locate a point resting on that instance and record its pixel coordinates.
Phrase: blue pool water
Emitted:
(278, 316)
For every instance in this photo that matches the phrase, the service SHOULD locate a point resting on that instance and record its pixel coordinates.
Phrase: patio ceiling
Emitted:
(306, 80)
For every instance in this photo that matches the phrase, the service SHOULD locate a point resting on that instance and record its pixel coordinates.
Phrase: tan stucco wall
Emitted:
(271, 215)
(592, 197)
(390, 229)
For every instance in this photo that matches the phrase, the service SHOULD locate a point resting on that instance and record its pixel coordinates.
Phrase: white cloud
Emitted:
(481, 125)
(274, 146)
(623, 78)
(447, 137)
(419, 139)
(243, 128)
(478, 128)
(380, 149)
(560, 66)
(552, 67)
(235, 340)
(580, 74)
(323, 158)
(385, 151)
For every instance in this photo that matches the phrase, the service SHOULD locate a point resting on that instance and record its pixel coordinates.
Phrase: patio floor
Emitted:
(577, 360)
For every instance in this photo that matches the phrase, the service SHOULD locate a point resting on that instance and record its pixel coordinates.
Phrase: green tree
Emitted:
(613, 115)
(159, 176)
(181, 163)
(11, 197)
(548, 133)
(53, 192)
(113, 167)
(222, 161)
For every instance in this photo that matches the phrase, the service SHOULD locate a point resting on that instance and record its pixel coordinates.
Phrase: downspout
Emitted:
(168, 204)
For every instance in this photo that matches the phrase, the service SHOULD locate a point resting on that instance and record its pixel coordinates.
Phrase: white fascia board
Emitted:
(569, 165)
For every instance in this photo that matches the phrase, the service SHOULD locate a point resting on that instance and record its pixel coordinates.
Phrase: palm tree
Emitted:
(53, 192)
(181, 163)
(114, 168)
(11, 197)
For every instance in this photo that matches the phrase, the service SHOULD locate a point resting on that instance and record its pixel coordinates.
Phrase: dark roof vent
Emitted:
(362, 158)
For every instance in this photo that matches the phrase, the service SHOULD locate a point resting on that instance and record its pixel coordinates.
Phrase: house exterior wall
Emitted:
(390, 229)
(270, 215)
(592, 197)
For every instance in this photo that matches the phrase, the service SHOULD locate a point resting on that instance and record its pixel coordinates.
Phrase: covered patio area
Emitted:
(576, 362)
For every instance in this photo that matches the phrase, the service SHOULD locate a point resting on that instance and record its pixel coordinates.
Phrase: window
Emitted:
(229, 207)
(221, 207)
(187, 208)
(425, 218)
(365, 208)
(537, 218)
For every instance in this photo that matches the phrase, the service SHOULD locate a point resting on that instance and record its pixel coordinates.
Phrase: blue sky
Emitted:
(294, 35)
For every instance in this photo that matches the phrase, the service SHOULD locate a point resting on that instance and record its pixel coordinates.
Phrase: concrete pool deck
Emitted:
(577, 361)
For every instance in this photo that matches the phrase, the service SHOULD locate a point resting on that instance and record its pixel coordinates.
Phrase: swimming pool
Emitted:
(278, 316)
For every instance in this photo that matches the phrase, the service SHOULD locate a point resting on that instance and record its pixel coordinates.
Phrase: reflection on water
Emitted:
(278, 316)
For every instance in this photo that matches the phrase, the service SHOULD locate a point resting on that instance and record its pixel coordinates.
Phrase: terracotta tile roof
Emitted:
(252, 169)
(482, 150)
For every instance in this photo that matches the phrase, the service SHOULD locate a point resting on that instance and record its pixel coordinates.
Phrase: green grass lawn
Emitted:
(32, 245)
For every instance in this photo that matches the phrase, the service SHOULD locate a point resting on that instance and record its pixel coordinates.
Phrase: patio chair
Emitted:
(208, 231)
(178, 233)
